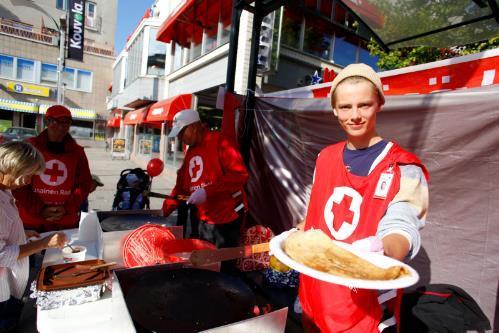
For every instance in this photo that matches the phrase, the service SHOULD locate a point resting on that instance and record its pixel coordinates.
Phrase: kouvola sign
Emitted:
(76, 29)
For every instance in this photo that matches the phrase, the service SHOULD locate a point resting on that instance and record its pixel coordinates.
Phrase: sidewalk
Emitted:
(108, 170)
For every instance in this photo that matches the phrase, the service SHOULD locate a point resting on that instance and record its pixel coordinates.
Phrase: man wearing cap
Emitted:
(52, 200)
(212, 175)
(369, 192)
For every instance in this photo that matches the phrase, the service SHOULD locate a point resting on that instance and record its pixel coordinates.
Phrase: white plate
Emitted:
(276, 247)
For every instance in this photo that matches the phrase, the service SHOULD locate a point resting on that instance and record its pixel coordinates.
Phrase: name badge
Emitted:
(383, 186)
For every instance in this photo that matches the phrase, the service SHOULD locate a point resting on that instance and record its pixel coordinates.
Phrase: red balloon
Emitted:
(155, 167)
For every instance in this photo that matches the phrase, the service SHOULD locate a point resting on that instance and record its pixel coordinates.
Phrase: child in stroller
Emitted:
(132, 185)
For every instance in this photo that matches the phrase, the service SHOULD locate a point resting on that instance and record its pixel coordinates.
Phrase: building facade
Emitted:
(29, 52)
(295, 44)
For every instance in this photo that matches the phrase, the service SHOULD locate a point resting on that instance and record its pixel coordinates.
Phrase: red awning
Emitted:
(114, 122)
(187, 23)
(135, 117)
(165, 110)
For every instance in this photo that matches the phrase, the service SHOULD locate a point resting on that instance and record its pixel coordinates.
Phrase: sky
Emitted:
(129, 14)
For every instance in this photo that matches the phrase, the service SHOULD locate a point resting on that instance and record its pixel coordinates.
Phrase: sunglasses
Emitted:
(63, 121)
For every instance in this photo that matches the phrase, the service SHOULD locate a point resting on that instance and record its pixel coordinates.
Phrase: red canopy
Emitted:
(187, 23)
(114, 122)
(165, 110)
(135, 117)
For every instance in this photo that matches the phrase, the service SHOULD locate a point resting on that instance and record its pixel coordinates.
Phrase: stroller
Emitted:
(132, 189)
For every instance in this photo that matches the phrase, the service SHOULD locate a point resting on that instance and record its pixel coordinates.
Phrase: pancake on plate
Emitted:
(313, 248)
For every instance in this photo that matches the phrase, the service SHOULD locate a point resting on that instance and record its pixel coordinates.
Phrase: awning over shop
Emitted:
(135, 117)
(13, 105)
(114, 122)
(187, 23)
(165, 110)
(83, 114)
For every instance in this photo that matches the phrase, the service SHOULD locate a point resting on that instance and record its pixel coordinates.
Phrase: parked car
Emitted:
(17, 134)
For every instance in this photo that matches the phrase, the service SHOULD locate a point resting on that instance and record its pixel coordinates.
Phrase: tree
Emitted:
(409, 56)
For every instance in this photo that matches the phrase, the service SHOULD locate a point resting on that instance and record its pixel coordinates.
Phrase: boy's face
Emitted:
(356, 105)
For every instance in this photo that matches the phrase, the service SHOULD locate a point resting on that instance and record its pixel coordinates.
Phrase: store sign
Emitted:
(29, 89)
(76, 29)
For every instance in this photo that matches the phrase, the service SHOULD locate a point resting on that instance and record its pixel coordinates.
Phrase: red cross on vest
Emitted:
(55, 172)
(195, 169)
(344, 207)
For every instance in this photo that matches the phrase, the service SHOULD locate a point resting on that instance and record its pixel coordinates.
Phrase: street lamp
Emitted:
(60, 60)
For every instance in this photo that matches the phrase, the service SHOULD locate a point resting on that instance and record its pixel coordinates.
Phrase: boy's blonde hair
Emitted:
(20, 159)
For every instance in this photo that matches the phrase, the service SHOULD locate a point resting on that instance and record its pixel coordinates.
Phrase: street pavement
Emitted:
(108, 170)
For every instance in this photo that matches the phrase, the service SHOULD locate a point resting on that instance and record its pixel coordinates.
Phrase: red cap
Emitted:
(58, 111)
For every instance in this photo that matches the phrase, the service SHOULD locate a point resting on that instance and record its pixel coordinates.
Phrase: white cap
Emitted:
(182, 119)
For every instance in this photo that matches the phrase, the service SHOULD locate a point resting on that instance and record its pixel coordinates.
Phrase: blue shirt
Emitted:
(359, 161)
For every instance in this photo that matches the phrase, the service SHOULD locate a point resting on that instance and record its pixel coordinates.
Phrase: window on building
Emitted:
(134, 64)
(91, 14)
(68, 78)
(318, 38)
(48, 74)
(84, 80)
(291, 28)
(177, 57)
(345, 50)
(25, 70)
(225, 36)
(366, 58)
(211, 38)
(6, 66)
(156, 55)
(61, 4)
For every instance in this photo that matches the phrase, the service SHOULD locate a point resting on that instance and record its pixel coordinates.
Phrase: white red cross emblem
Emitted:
(342, 212)
(55, 173)
(195, 168)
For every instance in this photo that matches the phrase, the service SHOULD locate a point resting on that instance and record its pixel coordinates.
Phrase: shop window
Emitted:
(48, 74)
(156, 56)
(61, 4)
(177, 57)
(318, 38)
(68, 77)
(25, 70)
(6, 66)
(211, 38)
(84, 81)
(225, 35)
(291, 27)
(345, 50)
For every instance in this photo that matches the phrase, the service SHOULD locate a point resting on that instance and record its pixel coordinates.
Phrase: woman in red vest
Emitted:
(367, 191)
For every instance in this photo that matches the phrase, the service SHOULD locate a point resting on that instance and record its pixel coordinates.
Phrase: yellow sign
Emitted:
(29, 89)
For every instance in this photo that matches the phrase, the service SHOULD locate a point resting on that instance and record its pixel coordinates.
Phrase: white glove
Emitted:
(197, 197)
(369, 244)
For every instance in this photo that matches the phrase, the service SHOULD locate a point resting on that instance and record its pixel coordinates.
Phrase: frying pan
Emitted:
(188, 300)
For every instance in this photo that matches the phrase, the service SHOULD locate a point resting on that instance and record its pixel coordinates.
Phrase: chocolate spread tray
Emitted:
(71, 275)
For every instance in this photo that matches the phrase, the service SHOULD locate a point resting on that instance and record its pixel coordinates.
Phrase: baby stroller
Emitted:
(132, 189)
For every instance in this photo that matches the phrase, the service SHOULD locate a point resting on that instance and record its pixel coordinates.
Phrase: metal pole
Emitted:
(250, 104)
(234, 38)
(60, 59)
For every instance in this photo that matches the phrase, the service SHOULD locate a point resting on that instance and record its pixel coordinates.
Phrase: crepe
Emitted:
(315, 249)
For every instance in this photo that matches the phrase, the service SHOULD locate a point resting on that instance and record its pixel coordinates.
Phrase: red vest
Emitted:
(203, 166)
(344, 206)
(66, 181)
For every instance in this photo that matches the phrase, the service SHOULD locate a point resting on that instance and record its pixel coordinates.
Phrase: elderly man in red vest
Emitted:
(52, 201)
(212, 175)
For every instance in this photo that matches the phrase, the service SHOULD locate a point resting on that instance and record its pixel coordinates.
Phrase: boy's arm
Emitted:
(406, 215)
